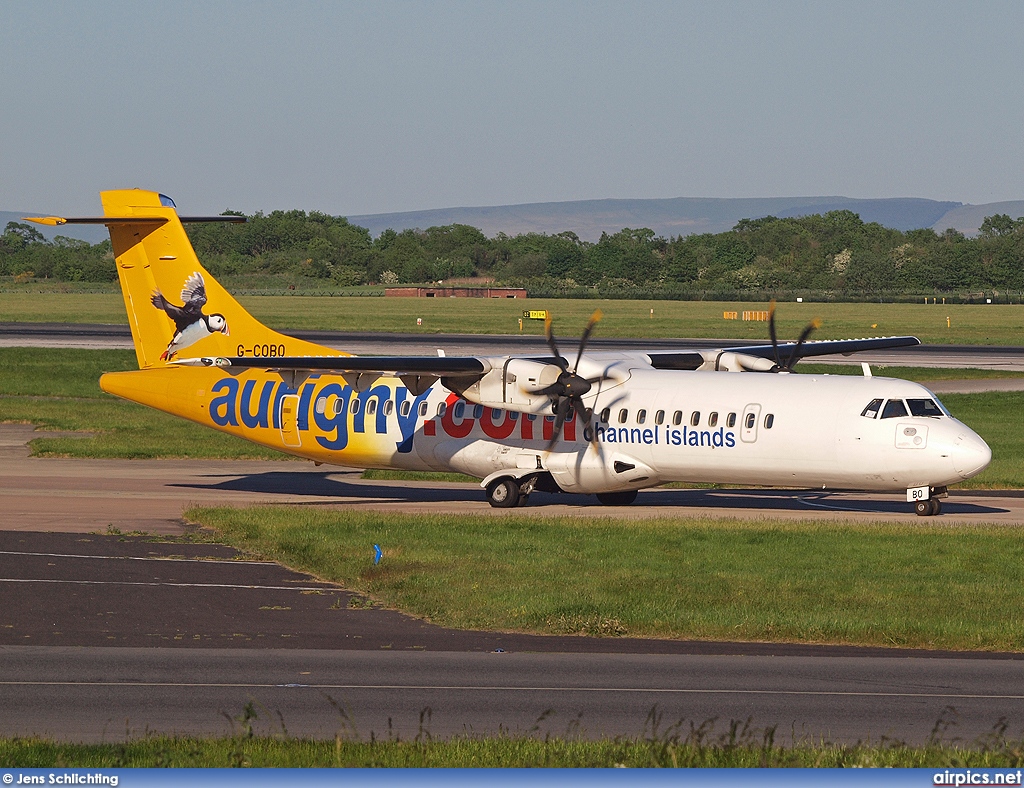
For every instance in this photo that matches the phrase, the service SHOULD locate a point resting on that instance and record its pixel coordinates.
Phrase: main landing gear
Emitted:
(624, 498)
(505, 494)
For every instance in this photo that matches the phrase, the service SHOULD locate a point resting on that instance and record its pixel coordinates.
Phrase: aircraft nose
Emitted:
(971, 455)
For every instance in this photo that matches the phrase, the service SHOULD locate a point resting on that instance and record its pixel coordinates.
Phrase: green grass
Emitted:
(699, 746)
(997, 324)
(928, 586)
(58, 390)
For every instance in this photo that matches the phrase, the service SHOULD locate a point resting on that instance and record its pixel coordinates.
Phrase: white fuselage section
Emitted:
(654, 426)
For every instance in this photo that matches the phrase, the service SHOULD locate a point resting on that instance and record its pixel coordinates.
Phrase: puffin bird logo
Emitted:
(190, 323)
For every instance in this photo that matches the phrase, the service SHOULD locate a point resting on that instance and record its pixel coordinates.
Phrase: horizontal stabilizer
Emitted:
(56, 221)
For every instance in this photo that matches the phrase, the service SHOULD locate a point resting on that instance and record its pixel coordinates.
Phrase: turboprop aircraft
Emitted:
(608, 423)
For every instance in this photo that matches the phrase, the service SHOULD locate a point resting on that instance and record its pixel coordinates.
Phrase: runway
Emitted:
(95, 336)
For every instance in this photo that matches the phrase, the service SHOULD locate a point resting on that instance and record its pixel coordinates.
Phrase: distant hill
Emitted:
(968, 218)
(667, 217)
(93, 233)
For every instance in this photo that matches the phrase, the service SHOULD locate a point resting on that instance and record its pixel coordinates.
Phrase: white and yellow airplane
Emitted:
(599, 422)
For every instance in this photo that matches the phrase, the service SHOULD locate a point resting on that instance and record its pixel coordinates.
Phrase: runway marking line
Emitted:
(142, 558)
(450, 688)
(178, 585)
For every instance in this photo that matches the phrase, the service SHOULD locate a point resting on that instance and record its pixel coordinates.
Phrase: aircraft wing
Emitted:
(396, 365)
(828, 347)
(473, 366)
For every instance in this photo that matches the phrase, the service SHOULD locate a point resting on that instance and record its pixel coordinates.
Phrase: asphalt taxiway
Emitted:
(105, 636)
(92, 336)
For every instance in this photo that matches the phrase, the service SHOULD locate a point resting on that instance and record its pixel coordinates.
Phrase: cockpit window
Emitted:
(871, 411)
(894, 409)
(924, 407)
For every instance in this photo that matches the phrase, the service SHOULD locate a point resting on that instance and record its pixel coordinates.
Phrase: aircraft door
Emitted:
(290, 420)
(748, 427)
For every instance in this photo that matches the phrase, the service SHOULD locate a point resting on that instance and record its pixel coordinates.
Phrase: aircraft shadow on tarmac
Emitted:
(326, 485)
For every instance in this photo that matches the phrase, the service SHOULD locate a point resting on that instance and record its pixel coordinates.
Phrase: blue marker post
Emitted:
(377, 554)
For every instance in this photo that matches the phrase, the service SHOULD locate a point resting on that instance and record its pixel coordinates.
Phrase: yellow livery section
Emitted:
(318, 417)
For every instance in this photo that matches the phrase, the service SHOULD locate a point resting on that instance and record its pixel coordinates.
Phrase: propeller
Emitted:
(794, 355)
(570, 388)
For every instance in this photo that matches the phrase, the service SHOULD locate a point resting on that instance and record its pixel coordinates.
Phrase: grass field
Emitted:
(995, 324)
(927, 586)
(703, 746)
(57, 389)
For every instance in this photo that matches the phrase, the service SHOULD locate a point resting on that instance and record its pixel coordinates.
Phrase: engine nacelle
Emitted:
(511, 384)
(727, 361)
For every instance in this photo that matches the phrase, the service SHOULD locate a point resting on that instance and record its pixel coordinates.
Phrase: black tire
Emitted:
(503, 494)
(936, 506)
(617, 498)
(923, 508)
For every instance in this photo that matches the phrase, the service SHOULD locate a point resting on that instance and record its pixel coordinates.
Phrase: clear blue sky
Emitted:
(355, 108)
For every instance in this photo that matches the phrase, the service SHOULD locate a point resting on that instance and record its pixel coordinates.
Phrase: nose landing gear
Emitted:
(930, 506)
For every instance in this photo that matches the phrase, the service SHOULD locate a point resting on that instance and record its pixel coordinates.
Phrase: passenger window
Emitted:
(871, 411)
(389, 406)
(623, 415)
(749, 420)
(354, 409)
(713, 419)
(459, 410)
(677, 418)
(924, 407)
(659, 417)
(730, 420)
(371, 407)
(695, 418)
(769, 420)
(894, 409)
(321, 405)
(605, 415)
(641, 416)
(441, 408)
(405, 408)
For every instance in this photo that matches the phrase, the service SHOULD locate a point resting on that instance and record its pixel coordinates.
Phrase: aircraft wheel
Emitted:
(524, 500)
(936, 505)
(924, 508)
(503, 494)
(617, 498)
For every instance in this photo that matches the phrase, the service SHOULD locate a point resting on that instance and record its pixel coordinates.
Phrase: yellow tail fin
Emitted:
(176, 309)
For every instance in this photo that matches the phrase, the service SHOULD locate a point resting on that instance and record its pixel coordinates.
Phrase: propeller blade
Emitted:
(563, 408)
(794, 357)
(594, 320)
(772, 334)
(549, 333)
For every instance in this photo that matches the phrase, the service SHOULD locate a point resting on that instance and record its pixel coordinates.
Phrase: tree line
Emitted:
(834, 252)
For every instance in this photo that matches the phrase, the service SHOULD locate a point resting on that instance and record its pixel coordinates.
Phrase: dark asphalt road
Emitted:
(103, 636)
